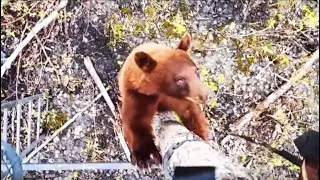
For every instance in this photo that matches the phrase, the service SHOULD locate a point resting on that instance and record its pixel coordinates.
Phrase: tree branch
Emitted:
(95, 77)
(41, 24)
(275, 95)
(254, 113)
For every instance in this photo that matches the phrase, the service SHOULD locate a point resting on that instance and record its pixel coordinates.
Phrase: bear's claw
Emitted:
(146, 157)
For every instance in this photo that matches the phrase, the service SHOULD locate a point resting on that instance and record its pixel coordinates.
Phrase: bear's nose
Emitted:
(206, 95)
(203, 98)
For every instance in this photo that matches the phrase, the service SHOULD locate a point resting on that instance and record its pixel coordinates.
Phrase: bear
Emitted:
(158, 78)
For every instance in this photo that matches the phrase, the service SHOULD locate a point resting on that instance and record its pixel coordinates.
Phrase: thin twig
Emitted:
(47, 57)
(65, 125)
(31, 34)
(18, 65)
(65, 23)
(283, 153)
(94, 75)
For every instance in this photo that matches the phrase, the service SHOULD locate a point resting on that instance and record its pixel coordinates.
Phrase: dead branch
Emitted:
(41, 24)
(275, 95)
(283, 153)
(181, 148)
(95, 77)
(65, 125)
(254, 113)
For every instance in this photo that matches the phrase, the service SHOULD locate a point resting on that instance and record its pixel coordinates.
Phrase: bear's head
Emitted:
(171, 71)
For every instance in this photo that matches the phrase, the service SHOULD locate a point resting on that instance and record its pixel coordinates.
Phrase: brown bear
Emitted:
(156, 77)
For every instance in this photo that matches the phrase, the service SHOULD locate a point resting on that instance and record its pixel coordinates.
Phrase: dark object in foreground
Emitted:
(194, 173)
(308, 146)
(12, 160)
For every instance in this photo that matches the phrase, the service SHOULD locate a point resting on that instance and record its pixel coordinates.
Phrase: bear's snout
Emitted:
(198, 92)
(205, 95)
(203, 98)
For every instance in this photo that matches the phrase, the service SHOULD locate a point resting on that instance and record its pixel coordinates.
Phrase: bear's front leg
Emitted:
(196, 121)
(137, 115)
(190, 113)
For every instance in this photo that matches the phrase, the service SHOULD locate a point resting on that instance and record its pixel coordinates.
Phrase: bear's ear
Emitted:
(185, 43)
(144, 61)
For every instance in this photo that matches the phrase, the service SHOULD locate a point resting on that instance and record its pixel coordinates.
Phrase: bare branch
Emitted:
(41, 24)
(275, 95)
(106, 96)
(254, 113)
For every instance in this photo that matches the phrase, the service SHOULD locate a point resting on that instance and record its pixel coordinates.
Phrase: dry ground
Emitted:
(245, 49)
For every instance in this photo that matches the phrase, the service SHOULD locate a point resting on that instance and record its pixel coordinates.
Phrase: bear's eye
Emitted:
(198, 72)
(181, 81)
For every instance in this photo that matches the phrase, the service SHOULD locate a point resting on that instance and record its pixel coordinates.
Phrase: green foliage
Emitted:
(127, 11)
(220, 79)
(119, 63)
(310, 17)
(53, 119)
(75, 174)
(71, 83)
(92, 148)
(208, 82)
(284, 60)
(138, 29)
(20, 6)
(174, 27)
(151, 12)
(184, 9)
(282, 118)
(219, 37)
(264, 44)
(118, 30)
(212, 104)
(278, 161)
(149, 22)
(284, 5)
(46, 95)
(271, 23)
(243, 159)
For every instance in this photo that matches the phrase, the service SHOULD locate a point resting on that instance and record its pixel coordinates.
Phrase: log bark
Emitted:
(180, 147)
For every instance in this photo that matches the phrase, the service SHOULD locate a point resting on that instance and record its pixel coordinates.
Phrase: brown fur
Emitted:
(154, 78)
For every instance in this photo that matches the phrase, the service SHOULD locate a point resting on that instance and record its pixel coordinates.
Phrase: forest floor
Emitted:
(245, 50)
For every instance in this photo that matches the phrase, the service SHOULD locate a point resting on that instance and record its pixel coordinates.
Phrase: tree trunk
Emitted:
(180, 147)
